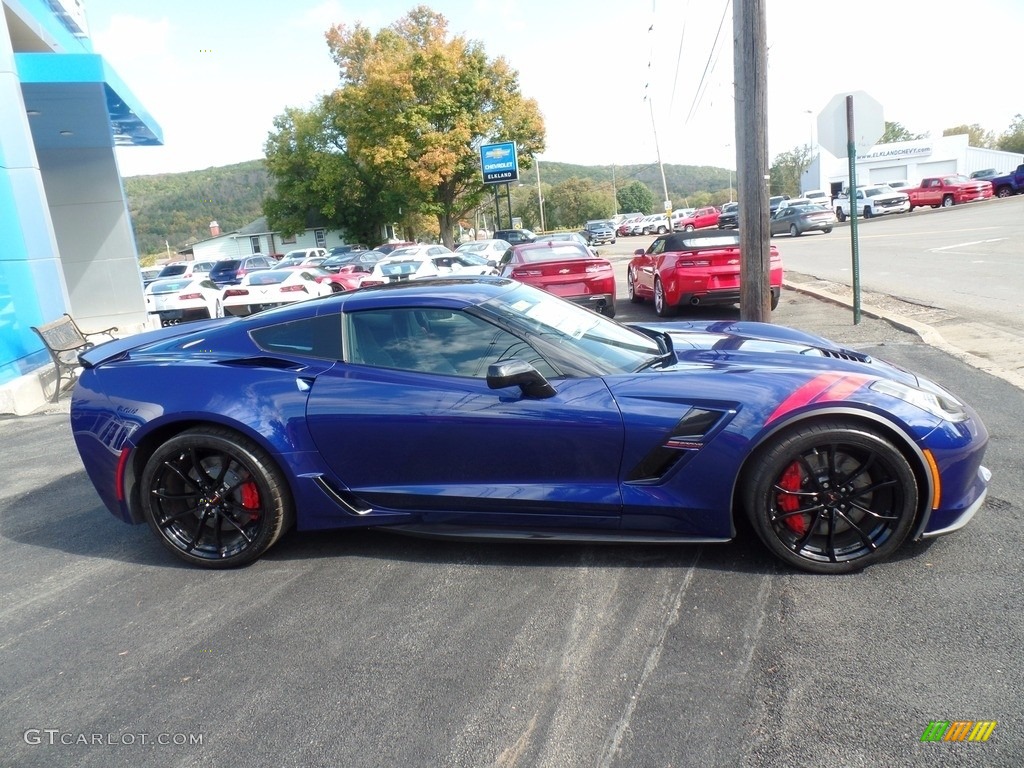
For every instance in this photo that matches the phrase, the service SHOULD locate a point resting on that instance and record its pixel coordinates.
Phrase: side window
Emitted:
(433, 341)
(657, 247)
(321, 237)
(254, 244)
(313, 336)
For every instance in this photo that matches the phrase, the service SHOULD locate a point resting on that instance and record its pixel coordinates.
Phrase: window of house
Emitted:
(321, 238)
(254, 243)
(290, 240)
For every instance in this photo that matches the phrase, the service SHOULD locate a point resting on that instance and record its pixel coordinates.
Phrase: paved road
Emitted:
(362, 649)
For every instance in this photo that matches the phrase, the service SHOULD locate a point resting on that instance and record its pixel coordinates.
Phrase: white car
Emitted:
(177, 299)
(490, 250)
(272, 288)
(819, 197)
(399, 267)
(186, 269)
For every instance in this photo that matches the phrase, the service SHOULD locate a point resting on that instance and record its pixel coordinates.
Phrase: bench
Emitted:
(63, 339)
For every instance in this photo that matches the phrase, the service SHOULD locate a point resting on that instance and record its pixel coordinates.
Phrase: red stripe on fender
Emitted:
(122, 462)
(827, 386)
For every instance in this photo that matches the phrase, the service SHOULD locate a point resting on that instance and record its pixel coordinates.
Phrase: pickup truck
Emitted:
(872, 201)
(1010, 184)
(699, 219)
(949, 190)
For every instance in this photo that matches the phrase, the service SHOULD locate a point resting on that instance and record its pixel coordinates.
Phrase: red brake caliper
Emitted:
(251, 498)
(791, 481)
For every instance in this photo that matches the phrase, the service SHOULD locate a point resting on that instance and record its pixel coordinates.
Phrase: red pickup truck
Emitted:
(949, 190)
(699, 219)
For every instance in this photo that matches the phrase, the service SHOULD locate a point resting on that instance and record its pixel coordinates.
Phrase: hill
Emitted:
(175, 209)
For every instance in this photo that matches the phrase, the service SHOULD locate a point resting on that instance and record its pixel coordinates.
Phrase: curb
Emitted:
(923, 331)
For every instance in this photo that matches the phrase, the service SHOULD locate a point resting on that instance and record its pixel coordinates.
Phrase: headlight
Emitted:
(927, 396)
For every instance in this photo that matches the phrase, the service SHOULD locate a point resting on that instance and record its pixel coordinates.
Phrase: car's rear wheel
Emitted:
(826, 230)
(608, 310)
(1004, 192)
(631, 287)
(688, 227)
(947, 201)
(661, 306)
(661, 229)
(214, 498)
(831, 497)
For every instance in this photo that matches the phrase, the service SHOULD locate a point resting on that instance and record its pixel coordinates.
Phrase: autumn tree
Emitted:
(1013, 139)
(976, 135)
(635, 197)
(416, 105)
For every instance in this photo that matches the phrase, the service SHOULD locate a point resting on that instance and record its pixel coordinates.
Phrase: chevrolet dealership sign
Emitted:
(499, 162)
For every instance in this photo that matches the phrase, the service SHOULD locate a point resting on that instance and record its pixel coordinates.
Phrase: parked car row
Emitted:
(251, 284)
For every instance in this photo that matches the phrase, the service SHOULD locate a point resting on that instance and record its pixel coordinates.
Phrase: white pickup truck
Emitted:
(875, 200)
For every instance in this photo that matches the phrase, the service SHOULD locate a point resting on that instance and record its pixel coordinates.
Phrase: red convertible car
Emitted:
(693, 268)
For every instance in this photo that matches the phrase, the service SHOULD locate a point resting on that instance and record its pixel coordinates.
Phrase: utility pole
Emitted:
(750, 58)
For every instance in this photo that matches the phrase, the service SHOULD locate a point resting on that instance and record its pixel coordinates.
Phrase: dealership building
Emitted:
(68, 244)
(907, 160)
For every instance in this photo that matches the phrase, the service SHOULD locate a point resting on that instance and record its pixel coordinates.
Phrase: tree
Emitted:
(787, 170)
(895, 132)
(575, 201)
(416, 105)
(976, 135)
(1013, 139)
(636, 197)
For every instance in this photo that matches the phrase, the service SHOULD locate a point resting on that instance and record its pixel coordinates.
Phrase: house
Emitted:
(257, 237)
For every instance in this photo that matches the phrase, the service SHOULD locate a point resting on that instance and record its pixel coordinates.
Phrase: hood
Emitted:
(764, 346)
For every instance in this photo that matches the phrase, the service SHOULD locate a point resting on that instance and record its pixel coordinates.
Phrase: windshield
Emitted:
(607, 346)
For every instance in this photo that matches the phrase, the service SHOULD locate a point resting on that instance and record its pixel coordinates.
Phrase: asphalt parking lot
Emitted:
(365, 649)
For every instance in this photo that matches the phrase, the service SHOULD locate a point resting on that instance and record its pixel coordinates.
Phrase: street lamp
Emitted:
(540, 197)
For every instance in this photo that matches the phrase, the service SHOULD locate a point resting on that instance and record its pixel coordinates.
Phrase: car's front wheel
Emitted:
(831, 497)
(214, 498)
(794, 231)
(840, 214)
(661, 306)
(947, 201)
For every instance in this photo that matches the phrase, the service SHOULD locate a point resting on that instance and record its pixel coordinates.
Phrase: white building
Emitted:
(910, 160)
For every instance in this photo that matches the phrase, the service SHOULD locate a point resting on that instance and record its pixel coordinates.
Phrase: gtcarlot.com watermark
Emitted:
(56, 737)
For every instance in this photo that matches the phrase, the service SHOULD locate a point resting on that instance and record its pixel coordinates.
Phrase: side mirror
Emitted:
(519, 373)
(639, 252)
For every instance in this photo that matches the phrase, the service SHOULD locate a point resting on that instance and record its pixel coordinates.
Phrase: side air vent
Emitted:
(685, 439)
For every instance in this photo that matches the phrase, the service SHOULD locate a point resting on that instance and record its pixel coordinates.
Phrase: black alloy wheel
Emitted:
(214, 498)
(831, 497)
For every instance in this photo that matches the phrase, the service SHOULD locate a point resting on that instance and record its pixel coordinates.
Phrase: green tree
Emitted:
(636, 197)
(415, 105)
(1013, 139)
(574, 201)
(787, 170)
(976, 135)
(895, 132)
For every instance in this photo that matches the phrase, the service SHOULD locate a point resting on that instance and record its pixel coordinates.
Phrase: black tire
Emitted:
(1004, 192)
(631, 287)
(776, 295)
(794, 230)
(214, 498)
(660, 305)
(948, 201)
(688, 227)
(840, 214)
(661, 229)
(608, 310)
(868, 213)
(831, 497)
(826, 230)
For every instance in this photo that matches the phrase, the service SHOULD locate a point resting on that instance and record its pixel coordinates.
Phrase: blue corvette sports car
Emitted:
(482, 407)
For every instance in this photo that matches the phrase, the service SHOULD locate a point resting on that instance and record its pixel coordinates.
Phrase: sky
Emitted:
(618, 81)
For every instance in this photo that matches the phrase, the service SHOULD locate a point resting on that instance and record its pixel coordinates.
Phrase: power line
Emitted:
(708, 65)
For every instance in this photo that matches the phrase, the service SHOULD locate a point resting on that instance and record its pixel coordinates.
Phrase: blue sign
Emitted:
(499, 162)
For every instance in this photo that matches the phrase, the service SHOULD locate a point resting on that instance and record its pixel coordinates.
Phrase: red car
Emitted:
(699, 219)
(693, 268)
(564, 268)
